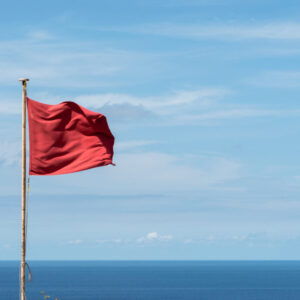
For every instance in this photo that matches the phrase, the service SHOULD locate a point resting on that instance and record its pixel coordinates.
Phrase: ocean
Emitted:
(203, 280)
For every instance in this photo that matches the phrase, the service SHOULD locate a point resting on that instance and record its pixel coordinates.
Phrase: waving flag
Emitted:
(66, 138)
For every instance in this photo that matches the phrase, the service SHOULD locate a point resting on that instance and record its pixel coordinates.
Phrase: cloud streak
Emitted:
(153, 237)
(155, 172)
(179, 107)
(239, 113)
(110, 241)
(276, 79)
(51, 61)
(270, 31)
(75, 242)
(185, 106)
(160, 104)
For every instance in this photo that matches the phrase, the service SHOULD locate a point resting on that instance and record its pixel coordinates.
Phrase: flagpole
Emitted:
(23, 231)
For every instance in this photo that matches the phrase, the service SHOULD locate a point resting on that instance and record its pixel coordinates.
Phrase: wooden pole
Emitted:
(23, 231)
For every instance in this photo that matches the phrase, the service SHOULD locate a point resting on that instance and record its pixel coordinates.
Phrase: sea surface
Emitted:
(205, 280)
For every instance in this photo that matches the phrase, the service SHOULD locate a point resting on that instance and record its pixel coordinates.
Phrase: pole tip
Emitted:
(23, 79)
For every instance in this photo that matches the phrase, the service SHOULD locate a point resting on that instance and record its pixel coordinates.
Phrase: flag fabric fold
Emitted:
(66, 138)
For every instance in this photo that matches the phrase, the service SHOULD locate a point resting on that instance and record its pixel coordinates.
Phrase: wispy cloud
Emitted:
(109, 241)
(249, 239)
(238, 113)
(51, 61)
(125, 107)
(154, 236)
(233, 31)
(276, 79)
(141, 172)
(75, 242)
(186, 106)
(149, 238)
(154, 172)
(40, 35)
(159, 104)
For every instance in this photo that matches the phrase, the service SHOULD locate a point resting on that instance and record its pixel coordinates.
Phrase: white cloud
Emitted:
(236, 113)
(162, 105)
(128, 108)
(154, 236)
(124, 106)
(105, 241)
(276, 79)
(235, 31)
(179, 107)
(50, 61)
(239, 237)
(40, 35)
(154, 172)
(194, 106)
(75, 242)
(242, 238)
(141, 172)
(165, 238)
(188, 241)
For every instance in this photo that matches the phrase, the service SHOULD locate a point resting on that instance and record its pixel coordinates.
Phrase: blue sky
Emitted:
(203, 99)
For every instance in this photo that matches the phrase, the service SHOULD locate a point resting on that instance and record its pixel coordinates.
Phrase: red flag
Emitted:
(66, 138)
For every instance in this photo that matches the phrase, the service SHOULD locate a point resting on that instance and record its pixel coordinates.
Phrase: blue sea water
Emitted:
(204, 280)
